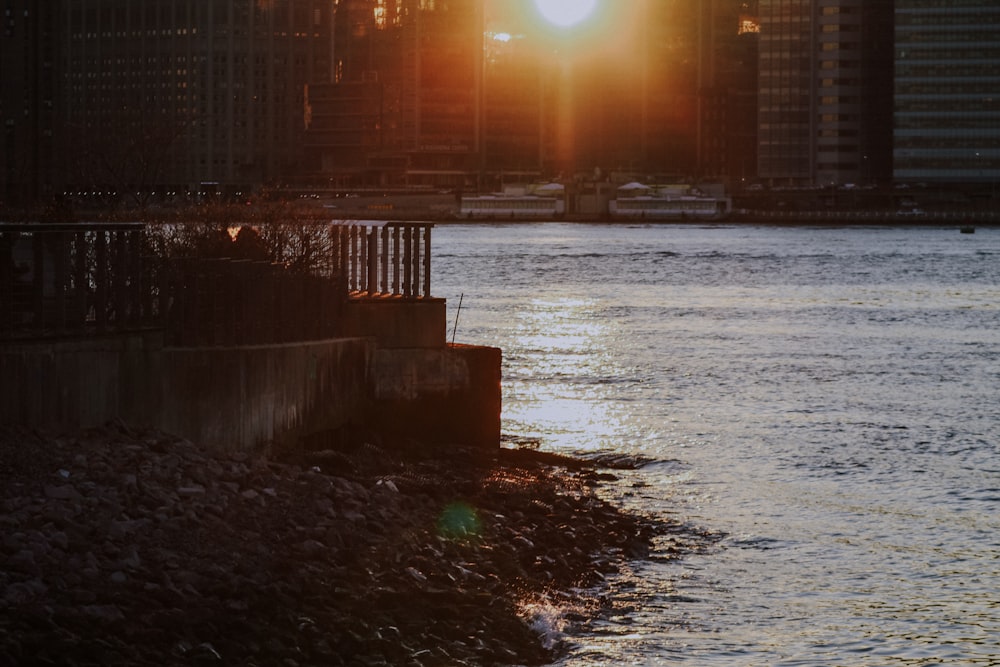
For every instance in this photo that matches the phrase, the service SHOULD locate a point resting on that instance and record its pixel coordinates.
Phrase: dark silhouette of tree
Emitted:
(124, 155)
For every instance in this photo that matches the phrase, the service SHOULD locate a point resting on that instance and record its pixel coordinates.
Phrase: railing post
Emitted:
(395, 259)
(61, 287)
(427, 261)
(372, 265)
(407, 261)
(354, 258)
(101, 278)
(120, 279)
(385, 259)
(38, 284)
(136, 286)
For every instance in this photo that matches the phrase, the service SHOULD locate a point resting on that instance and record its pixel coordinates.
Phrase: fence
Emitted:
(69, 279)
(82, 279)
(242, 302)
(386, 259)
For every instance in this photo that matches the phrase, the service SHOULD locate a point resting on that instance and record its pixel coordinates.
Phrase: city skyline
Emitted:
(174, 95)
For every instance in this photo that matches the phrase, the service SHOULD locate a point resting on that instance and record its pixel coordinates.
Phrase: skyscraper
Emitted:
(404, 106)
(824, 95)
(947, 91)
(727, 90)
(176, 93)
(28, 100)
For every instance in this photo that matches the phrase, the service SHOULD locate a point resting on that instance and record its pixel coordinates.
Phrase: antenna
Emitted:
(457, 313)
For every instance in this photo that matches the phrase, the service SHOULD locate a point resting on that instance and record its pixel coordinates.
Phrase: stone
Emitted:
(62, 492)
(144, 557)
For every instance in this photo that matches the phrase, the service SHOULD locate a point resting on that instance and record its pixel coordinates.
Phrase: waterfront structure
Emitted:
(824, 97)
(98, 335)
(678, 202)
(947, 91)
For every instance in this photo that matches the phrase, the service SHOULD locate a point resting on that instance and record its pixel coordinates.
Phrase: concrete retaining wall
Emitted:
(265, 397)
(396, 322)
(80, 382)
(255, 398)
(239, 398)
(445, 395)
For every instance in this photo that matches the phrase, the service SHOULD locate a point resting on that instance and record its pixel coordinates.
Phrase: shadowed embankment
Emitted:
(133, 547)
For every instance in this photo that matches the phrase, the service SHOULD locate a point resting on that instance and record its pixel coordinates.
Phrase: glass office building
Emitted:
(824, 93)
(947, 91)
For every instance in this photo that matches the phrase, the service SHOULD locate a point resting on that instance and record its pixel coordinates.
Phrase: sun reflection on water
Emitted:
(562, 349)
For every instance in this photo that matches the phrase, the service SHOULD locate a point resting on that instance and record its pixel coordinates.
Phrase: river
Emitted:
(820, 406)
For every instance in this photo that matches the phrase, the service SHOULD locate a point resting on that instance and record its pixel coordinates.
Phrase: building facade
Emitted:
(728, 33)
(476, 94)
(29, 98)
(824, 95)
(947, 91)
(404, 107)
(120, 99)
(189, 94)
(105, 101)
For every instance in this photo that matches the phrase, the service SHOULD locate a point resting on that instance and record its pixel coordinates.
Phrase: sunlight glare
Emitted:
(565, 13)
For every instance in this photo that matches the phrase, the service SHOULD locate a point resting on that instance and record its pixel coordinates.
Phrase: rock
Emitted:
(62, 492)
(152, 551)
(388, 484)
(416, 575)
(24, 592)
(23, 561)
(106, 614)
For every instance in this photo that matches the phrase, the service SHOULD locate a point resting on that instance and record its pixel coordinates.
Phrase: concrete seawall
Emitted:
(255, 398)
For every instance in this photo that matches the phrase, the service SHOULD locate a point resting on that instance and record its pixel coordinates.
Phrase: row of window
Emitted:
(903, 162)
(952, 19)
(903, 6)
(184, 32)
(979, 51)
(970, 143)
(652, 205)
(945, 122)
(948, 87)
(544, 204)
(962, 68)
(944, 104)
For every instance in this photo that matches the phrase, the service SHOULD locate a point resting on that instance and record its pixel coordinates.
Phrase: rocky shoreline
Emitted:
(124, 547)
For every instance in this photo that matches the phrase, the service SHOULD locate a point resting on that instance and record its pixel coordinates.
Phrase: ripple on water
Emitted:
(819, 407)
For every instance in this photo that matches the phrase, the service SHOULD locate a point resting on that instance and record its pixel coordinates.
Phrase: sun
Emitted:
(565, 13)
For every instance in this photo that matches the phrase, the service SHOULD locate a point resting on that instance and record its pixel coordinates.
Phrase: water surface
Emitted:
(822, 403)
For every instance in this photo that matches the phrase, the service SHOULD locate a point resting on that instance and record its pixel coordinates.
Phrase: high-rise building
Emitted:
(786, 124)
(179, 94)
(824, 101)
(28, 100)
(404, 106)
(727, 90)
(947, 91)
(480, 93)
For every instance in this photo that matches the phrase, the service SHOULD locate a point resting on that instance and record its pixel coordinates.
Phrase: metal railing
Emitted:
(386, 259)
(242, 302)
(86, 278)
(66, 279)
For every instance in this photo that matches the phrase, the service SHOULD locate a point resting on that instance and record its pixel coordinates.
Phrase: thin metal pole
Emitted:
(458, 312)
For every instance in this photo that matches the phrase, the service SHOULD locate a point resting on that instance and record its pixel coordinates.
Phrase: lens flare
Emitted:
(458, 521)
(565, 13)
